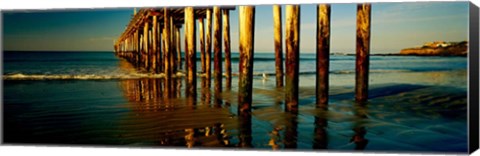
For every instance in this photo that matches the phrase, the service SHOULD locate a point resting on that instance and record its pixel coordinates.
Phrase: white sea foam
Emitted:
(21, 76)
(135, 75)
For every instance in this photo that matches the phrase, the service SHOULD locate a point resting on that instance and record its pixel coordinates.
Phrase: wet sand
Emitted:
(400, 116)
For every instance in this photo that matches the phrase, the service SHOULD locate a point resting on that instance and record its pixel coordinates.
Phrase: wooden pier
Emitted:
(152, 43)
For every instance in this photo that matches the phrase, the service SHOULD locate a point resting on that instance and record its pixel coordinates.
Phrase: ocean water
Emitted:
(94, 98)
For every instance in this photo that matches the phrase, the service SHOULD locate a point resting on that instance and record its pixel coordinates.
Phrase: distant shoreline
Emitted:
(438, 48)
(331, 54)
(398, 54)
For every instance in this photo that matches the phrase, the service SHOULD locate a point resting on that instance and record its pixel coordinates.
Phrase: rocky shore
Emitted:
(438, 49)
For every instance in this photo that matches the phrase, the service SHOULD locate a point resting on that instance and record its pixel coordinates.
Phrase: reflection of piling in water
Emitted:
(359, 136)
(292, 41)
(190, 137)
(247, 22)
(144, 93)
(323, 53)
(277, 28)
(179, 87)
(245, 135)
(320, 140)
(203, 90)
(362, 50)
(291, 133)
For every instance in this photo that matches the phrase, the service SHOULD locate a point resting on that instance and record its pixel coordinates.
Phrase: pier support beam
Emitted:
(145, 46)
(165, 56)
(226, 42)
(208, 48)
(217, 45)
(150, 51)
(138, 48)
(141, 62)
(154, 44)
(247, 33)
(277, 30)
(202, 44)
(323, 53)
(172, 54)
(362, 50)
(179, 51)
(292, 43)
(167, 52)
(191, 52)
(161, 51)
(185, 29)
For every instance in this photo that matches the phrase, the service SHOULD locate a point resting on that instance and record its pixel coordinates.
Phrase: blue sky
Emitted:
(394, 26)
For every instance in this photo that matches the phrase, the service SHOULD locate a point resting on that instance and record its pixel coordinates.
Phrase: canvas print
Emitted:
(389, 77)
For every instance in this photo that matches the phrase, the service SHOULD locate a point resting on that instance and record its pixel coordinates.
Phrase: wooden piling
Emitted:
(133, 49)
(247, 32)
(202, 44)
(165, 56)
(154, 44)
(323, 53)
(226, 42)
(217, 53)
(139, 52)
(129, 48)
(185, 32)
(277, 28)
(362, 50)
(150, 51)
(179, 55)
(145, 46)
(208, 46)
(191, 39)
(160, 49)
(132, 54)
(167, 52)
(173, 55)
(173, 41)
(126, 48)
(292, 40)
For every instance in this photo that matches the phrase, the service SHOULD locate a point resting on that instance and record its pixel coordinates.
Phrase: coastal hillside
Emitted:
(438, 48)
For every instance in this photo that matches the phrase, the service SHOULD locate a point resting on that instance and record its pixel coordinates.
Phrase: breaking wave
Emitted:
(22, 76)
(78, 77)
